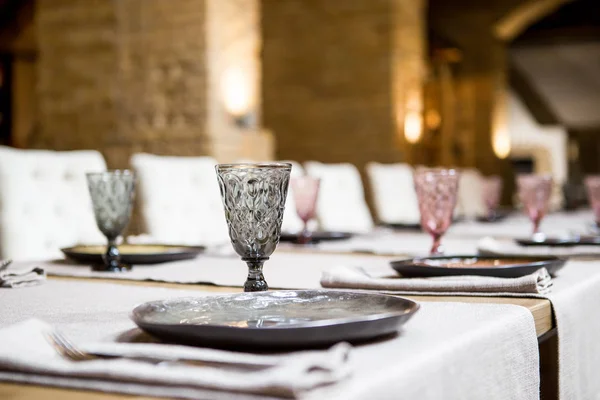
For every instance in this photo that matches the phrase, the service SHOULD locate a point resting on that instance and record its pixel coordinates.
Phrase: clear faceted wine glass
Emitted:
(592, 186)
(492, 191)
(305, 190)
(437, 189)
(254, 200)
(534, 192)
(112, 195)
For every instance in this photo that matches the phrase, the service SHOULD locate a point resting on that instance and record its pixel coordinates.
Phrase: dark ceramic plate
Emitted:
(135, 254)
(275, 319)
(561, 242)
(499, 266)
(498, 216)
(315, 236)
(404, 227)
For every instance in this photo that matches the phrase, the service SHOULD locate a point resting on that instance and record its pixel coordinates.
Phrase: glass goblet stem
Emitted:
(436, 246)
(305, 234)
(256, 280)
(536, 225)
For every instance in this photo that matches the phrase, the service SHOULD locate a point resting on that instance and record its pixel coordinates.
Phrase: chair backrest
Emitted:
(471, 203)
(291, 221)
(341, 205)
(45, 203)
(179, 199)
(394, 194)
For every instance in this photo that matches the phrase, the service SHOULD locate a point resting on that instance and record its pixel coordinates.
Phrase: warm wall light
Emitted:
(501, 143)
(237, 93)
(413, 126)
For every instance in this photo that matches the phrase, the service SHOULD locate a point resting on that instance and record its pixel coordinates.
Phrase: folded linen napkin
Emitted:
(20, 277)
(491, 246)
(539, 282)
(25, 350)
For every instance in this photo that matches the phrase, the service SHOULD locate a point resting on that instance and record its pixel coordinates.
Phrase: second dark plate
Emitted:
(498, 266)
(135, 254)
(403, 227)
(561, 242)
(316, 236)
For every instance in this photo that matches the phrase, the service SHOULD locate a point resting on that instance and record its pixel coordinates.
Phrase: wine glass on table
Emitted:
(534, 191)
(437, 190)
(254, 200)
(305, 190)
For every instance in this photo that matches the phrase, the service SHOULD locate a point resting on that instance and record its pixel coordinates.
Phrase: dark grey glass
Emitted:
(254, 200)
(112, 195)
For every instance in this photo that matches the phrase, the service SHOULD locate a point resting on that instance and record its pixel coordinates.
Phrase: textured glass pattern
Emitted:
(592, 186)
(305, 190)
(254, 200)
(112, 195)
(534, 192)
(436, 192)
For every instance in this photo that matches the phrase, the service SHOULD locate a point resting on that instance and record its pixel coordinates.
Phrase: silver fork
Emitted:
(72, 352)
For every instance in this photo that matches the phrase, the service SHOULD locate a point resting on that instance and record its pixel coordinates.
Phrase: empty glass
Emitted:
(592, 186)
(534, 192)
(112, 198)
(437, 190)
(492, 191)
(305, 190)
(254, 200)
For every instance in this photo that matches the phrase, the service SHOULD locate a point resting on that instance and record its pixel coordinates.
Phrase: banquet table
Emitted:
(541, 309)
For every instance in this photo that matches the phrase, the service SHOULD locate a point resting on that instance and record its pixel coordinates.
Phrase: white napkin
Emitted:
(21, 277)
(25, 350)
(539, 282)
(492, 246)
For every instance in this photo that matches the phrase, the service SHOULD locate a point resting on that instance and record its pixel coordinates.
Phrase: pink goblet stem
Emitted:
(592, 186)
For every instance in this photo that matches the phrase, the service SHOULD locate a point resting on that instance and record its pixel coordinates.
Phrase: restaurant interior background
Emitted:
(504, 86)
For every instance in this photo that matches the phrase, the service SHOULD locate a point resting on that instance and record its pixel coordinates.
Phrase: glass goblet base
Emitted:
(118, 267)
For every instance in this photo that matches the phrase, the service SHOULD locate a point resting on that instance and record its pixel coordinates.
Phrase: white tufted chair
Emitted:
(394, 193)
(291, 221)
(471, 203)
(179, 199)
(341, 205)
(44, 202)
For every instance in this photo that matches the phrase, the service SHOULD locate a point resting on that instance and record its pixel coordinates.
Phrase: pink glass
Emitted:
(437, 190)
(492, 191)
(534, 192)
(592, 185)
(305, 190)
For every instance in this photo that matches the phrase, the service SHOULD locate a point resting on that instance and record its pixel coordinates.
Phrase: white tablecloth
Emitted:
(448, 350)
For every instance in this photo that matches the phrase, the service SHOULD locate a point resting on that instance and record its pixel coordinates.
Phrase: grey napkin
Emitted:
(25, 350)
(20, 277)
(539, 282)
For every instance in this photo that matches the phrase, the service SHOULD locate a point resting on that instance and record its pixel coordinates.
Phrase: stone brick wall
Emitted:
(132, 76)
(336, 75)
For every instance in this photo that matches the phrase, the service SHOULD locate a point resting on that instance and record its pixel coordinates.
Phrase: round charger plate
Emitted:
(560, 242)
(275, 319)
(316, 237)
(407, 227)
(136, 254)
(498, 266)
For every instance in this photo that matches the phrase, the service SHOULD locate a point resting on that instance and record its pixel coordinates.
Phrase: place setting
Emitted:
(450, 273)
(305, 192)
(534, 191)
(254, 201)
